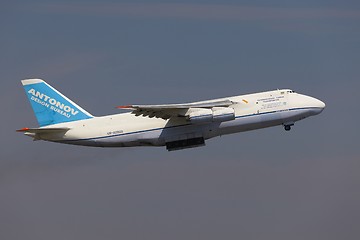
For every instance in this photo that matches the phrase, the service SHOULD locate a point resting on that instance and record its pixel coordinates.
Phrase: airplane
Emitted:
(176, 126)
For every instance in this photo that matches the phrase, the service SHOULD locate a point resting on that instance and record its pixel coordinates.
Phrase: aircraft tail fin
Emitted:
(50, 106)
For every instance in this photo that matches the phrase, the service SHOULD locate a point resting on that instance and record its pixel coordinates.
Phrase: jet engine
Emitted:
(223, 114)
(206, 115)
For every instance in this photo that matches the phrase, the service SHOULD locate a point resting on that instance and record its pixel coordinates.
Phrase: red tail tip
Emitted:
(23, 130)
(124, 107)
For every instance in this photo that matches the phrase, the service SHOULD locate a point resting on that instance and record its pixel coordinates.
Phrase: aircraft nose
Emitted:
(318, 106)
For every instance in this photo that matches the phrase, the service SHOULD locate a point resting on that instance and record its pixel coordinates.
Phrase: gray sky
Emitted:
(265, 184)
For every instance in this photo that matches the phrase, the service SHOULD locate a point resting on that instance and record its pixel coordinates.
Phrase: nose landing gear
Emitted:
(287, 126)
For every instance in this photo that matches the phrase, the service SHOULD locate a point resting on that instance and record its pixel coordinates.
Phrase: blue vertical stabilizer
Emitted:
(50, 106)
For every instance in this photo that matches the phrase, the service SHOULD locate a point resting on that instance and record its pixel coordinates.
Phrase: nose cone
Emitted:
(318, 106)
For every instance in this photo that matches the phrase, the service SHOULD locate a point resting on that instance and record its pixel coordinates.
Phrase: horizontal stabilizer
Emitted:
(43, 130)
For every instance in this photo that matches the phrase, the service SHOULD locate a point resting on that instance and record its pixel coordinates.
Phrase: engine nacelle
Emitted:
(223, 114)
(205, 115)
(200, 115)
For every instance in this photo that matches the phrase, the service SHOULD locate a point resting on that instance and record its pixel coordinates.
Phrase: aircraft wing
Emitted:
(167, 111)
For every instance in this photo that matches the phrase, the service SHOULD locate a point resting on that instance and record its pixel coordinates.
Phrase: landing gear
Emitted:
(287, 126)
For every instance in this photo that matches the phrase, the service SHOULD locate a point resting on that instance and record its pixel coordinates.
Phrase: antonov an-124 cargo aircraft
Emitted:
(176, 126)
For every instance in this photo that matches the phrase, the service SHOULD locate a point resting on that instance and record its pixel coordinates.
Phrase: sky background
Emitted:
(263, 184)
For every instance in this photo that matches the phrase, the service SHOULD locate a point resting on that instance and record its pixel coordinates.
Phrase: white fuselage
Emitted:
(252, 111)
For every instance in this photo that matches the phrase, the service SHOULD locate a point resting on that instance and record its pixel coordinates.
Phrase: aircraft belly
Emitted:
(295, 115)
(148, 138)
(262, 120)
